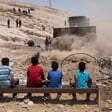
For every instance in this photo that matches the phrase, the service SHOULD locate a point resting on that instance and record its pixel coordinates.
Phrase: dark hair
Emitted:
(5, 61)
(34, 60)
(82, 66)
(54, 65)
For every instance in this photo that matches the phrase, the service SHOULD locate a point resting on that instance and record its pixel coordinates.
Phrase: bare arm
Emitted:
(75, 81)
(12, 81)
(43, 77)
(42, 74)
(89, 83)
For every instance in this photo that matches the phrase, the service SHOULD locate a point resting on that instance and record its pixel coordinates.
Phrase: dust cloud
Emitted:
(102, 19)
(99, 47)
(104, 37)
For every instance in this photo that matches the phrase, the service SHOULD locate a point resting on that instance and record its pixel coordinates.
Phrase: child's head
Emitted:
(34, 60)
(54, 65)
(82, 66)
(5, 61)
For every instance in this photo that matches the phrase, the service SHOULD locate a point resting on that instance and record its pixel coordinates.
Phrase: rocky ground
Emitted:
(12, 45)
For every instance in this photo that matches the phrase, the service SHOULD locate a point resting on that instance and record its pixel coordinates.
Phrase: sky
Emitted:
(97, 9)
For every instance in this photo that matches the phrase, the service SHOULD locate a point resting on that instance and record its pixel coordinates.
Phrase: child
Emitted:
(7, 76)
(54, 77)
(35, 74)
(81, 79)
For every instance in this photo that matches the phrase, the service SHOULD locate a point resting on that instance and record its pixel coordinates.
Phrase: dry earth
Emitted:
(12, 45)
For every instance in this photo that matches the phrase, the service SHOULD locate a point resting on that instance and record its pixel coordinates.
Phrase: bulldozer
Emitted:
(77, 25)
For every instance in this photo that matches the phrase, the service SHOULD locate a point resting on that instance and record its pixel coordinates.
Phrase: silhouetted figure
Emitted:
(17, 23)
(14, 10)
(8, 23)
(48, 41)
(32, 9)
(28, 11)
(25, 12)
(19, 10)
(65, 23)
(43, 27)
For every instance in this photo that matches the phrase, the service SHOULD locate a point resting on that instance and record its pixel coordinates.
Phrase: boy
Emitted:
(35, 74)
(7, 76)
(81, 79)
(55, 78)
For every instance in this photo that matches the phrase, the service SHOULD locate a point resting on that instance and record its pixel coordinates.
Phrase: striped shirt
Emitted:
(5, 74)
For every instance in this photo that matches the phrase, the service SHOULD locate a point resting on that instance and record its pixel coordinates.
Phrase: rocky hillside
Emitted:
(36, 24)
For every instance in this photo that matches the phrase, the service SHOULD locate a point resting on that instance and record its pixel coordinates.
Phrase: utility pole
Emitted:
(50, 5)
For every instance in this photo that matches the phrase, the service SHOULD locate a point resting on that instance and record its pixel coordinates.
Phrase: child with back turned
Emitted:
(35, 74)
(7, 76)
(55, 78)
(82, 79)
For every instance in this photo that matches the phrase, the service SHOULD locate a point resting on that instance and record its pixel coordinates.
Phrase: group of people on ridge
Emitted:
(18, 23)
(36, 77)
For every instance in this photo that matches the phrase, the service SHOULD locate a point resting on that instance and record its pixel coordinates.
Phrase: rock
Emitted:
(0, 106)
(31, 43)
(61, 106)
(106, 77)
(109, 101)
(30, 103)
(24, 106)
(10, 111)
(26, 101)
(22, 103)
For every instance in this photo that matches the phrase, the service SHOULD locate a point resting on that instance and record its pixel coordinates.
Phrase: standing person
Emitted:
(8, 23)
(14, 10)
(7, 76)
(28, 11)
(50, 40)
(46, 43)
(55, 78)
(65, 23)
(82, 79)
(17, 23)
(35, 74)
(19, 10)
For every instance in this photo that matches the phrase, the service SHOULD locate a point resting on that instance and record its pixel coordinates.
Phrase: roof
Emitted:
(72, 17)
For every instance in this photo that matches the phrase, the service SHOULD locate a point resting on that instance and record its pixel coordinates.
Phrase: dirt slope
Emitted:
(36, 26)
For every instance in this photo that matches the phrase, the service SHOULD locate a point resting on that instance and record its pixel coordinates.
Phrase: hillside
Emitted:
(36, 25)
(32, 24)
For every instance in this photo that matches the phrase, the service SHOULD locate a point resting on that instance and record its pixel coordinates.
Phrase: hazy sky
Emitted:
(91, 8)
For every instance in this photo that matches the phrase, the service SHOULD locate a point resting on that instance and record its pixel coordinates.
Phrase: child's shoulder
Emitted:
(55, 71)
(58, 71)
(86, 72)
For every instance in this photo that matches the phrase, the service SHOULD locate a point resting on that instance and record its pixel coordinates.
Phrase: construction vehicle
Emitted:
(78, 25)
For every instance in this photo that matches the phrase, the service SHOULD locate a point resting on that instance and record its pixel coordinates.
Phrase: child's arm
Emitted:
(61, 77)
(89, 82)
(75, 81)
